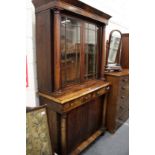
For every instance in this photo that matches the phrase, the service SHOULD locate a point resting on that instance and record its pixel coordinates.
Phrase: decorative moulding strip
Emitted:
(72, 98)
(65, 6)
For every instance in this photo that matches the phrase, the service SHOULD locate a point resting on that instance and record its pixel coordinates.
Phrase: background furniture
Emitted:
(118, 99)
(37, 132)
(125, 50)
(70, 47)
(114, 50)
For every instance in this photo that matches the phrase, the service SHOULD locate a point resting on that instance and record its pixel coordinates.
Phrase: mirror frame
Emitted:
(116, 67)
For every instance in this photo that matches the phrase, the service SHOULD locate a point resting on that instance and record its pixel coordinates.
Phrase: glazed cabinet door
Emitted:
(79, 48)
(70, 50)
(91, 51)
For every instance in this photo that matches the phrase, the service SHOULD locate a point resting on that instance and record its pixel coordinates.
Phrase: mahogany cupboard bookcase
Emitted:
(70, 47)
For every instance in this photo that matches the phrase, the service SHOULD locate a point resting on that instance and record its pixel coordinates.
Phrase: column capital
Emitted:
(56, 11)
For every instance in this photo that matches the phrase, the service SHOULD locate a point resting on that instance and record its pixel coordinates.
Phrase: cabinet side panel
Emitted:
(125, 51)
(44, 51)
(54, 124)
(112, 104)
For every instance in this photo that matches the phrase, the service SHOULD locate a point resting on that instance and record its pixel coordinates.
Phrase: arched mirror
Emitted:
(114, 48)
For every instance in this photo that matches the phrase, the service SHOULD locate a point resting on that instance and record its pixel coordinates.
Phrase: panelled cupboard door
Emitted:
(83, 121)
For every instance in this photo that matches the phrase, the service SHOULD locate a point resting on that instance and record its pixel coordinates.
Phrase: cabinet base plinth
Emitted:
(87, 142)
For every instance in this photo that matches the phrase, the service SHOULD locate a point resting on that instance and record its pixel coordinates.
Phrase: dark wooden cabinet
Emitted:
(118, 100)
(70, 47)
(125, 51)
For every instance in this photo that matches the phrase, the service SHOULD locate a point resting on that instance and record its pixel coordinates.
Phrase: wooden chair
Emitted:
(38, 139)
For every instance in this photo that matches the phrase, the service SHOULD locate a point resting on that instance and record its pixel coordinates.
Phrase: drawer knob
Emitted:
(86, 98)
(97, 93)
(121, 107)
(123, 88)
(67, 105)
(125, 80)
(107, 88)
(72, 104)
(122, 97)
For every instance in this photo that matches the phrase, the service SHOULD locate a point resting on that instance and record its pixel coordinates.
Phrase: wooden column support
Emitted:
(63, 134)
(57, 52)
(103, 50)
(82, 53)
(104, 111)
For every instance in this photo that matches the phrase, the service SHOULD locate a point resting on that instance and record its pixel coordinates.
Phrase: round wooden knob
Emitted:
(123, 88)
(121, 107)
(85, 98)
(107, 88)
(122, 97)
(125, 80)
(97, 94)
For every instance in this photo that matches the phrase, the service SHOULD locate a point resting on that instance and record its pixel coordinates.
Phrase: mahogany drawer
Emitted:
(124, 79)
(122, 109)
(86, 98)
(124, 116)
(123, 105)
(123, 100)
(124, 85)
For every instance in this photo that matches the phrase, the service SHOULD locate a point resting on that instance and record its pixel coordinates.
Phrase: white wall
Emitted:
(32, 99)
(117, 8)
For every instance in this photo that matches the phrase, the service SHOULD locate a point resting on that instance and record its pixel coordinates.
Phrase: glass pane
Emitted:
(91, 51)
(90, 26)
(114, 46)
(70, 50)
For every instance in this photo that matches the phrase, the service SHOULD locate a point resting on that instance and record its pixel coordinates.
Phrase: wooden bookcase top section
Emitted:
(73, 6)
(124, 72)
(73, 92)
